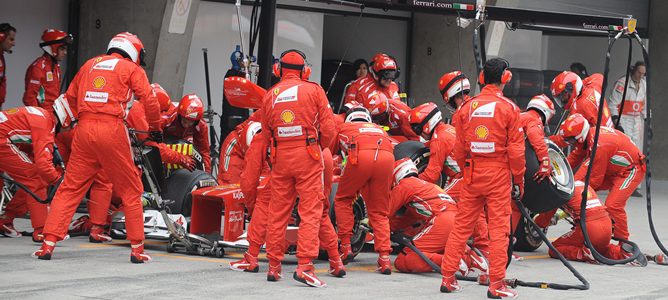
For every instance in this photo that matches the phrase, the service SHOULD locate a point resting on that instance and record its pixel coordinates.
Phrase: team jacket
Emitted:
(42, 83)
(532, 124)
(355, 136)
(616, 153)
(414, 202)
(489, 132)
(198, 135)
(33, 126)
(440, 148)
(295, 109)
(105, 85)
(635, 98)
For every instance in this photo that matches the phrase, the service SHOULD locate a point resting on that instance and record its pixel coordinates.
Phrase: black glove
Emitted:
(156, 136)
(615, 120)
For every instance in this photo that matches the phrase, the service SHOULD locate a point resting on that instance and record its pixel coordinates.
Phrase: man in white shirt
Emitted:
(634, 112)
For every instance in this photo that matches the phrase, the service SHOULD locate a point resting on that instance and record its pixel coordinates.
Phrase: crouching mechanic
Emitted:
(35, 127)
(233, 148)
(599, 229)
(258, 205)
(369, 166)
(188, 124)
(100, 91)
(296, 123)
(392, 114)
(426, 213)
(619, 166)
(489, 149)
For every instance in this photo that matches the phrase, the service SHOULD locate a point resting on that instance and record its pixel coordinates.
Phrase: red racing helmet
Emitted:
(574, 129)
(191, 107)
(453, 83)
(129, 45)
(52, 39)
(163, 97)
(543, 105)
(565, 88)
(424, 118)
(403, 168)
(378, 104)
(384, 67)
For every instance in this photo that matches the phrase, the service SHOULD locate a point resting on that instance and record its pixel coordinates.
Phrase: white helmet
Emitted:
(63, 111)
(403, 168)
(252, 129)
(129, 44)
(358, 114)
(544, 105)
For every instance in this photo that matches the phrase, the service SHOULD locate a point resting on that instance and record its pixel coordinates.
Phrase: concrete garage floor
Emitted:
(81, 270)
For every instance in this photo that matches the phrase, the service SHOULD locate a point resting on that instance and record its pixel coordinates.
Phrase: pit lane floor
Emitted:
(81, 270)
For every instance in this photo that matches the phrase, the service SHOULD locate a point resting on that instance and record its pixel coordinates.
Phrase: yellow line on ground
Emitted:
(536, 256)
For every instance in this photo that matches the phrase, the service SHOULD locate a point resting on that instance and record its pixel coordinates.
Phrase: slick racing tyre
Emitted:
(527, 239)
(179, 186)
(418, 153)
(358, 238)
(549, 194)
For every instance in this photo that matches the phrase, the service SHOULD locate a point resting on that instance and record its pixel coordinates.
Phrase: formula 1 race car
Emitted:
(538, 198)
(167, 191)
(219, 220)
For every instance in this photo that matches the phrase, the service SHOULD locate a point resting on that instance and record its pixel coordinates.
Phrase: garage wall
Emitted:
(216, 29)
(30, 17)
(371, 36)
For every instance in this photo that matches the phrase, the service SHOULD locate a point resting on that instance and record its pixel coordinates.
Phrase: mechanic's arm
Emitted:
(399, 197)
(436, 161)
(576, 156)
(143, 91)
(615, 98)
(42, 147)
(250, 176)
(459, 150)
(536, 136)
(558, 140)
(201, 143)
(543, 220)
(33, 81)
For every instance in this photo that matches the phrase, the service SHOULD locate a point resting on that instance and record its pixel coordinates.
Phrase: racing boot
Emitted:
(305, 274)
(336, 268)
(138, 256)
(247, 264)
(474, 261)
(98, 235)
(641, 261)
(449, 284)
(37, 235)
(498, 290)
(7, 228)
(274, 273)
(384, 265)
(45, 251)
(346, 251)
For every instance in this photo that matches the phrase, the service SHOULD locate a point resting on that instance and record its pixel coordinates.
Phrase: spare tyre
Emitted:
(179, 186)
(549, 194)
